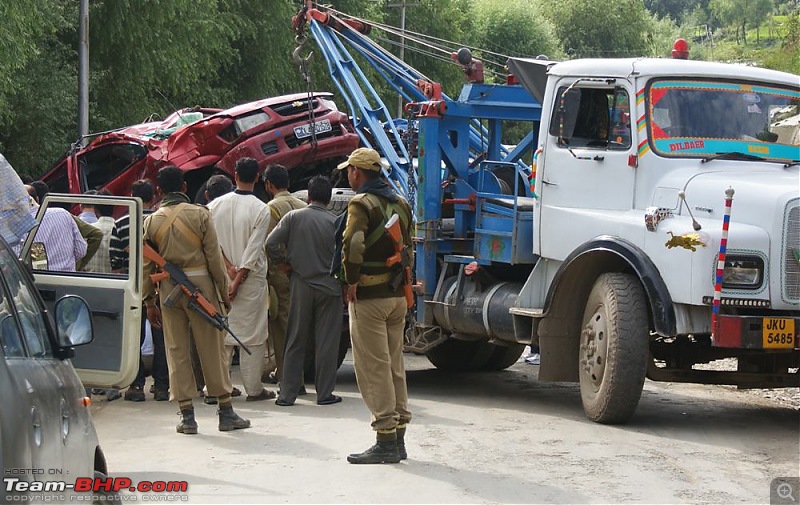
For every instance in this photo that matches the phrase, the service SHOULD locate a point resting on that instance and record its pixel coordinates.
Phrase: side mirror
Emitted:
(73, 321)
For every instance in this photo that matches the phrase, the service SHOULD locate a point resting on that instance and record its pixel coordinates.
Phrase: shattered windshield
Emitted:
(689, 118)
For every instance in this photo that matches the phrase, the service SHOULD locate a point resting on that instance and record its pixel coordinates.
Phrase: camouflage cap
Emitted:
(364, 158)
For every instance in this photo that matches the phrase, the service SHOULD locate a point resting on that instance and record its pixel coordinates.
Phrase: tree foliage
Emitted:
(150, 56)
(740, 14)
(612, 28)
(515, 28)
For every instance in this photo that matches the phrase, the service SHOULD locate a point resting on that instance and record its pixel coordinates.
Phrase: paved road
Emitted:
(498, 437)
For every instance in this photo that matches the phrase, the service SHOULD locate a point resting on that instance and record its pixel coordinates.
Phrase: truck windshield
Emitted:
(692, 118)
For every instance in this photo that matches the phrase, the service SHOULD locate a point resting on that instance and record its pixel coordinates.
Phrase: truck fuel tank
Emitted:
(476, 310)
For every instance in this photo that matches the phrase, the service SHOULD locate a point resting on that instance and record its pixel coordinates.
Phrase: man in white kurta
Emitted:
(241, 221)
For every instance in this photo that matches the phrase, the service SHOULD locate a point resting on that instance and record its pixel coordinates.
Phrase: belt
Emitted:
(195, 271)
(374, 280)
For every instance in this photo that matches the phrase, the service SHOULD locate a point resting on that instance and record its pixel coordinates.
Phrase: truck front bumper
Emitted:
(752, 332)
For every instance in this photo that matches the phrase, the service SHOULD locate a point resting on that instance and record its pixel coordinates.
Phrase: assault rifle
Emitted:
(401, 257)
(197, 302)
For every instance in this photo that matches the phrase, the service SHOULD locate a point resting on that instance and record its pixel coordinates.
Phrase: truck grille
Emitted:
(791, 251)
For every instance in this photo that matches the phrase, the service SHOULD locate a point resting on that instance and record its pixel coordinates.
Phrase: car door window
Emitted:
(101, 165)
(22, 300)
(10, 338)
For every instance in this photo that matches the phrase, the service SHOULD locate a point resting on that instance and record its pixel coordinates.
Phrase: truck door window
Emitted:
(592, 117)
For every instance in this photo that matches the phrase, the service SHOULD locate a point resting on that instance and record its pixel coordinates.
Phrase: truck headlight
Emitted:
(743, 272)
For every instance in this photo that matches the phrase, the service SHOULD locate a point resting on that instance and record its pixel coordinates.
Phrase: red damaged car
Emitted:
(309, 139)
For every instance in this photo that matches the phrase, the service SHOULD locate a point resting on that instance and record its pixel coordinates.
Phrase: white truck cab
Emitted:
(648, 172)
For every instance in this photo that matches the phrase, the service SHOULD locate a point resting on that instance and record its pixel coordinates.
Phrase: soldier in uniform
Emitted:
(184, 235)
(377, 312)
(276, 182)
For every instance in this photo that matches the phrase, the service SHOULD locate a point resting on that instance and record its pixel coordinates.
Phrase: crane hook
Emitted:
(298, 59)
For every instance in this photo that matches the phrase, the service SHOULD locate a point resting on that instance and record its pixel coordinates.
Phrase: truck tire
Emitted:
(455, 355)
(503, 356)
(340, 197)
(613, 351)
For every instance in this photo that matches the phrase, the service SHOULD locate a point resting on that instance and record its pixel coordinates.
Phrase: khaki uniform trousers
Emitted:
(279, 281)
(376, 331)
(179, 322)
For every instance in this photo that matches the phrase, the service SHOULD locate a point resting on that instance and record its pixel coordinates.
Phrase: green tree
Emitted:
(515, 28)
(787, 57)
(674, 9)
(612, 28)
(740, 14)
(140, 50)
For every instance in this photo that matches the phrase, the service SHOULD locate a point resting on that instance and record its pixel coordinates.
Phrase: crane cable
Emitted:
(419, 38)
(305, 71)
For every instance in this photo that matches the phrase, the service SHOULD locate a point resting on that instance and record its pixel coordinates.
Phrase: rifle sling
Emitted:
(171, 217)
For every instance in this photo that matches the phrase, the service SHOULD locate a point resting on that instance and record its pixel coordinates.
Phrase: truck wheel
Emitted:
(454, 355)
(340, 197)
(503, 356)
(613, 348)
(339, 200)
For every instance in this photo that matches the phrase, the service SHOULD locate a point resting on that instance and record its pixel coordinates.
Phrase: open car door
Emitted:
(115, 299)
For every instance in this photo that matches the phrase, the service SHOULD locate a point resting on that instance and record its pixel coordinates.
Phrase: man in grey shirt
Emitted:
(315, 299)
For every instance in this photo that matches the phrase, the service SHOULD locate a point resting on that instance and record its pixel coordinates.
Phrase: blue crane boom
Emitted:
(471, 193)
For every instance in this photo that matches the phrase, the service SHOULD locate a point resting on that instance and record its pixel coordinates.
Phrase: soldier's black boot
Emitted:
(187, 426)
(384, 451)
(401, 443)
(230, 420)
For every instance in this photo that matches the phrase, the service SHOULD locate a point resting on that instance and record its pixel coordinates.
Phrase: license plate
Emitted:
(304, 131)
(778, 333)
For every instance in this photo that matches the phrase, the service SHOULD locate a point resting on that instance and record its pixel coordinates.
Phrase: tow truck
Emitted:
(656, 227)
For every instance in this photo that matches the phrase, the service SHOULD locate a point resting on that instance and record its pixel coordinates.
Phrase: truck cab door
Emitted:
(584, 166)
(112, 358)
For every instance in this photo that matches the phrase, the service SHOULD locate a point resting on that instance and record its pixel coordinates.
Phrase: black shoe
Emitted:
(300, 392)
(283, 403)
(210, 400)
(161, 395)
(329, 400)
(134, 394)
(229, 420)
(401, 443)
(236, 392)
(381, 452)
(187, 426)
(112, 394)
